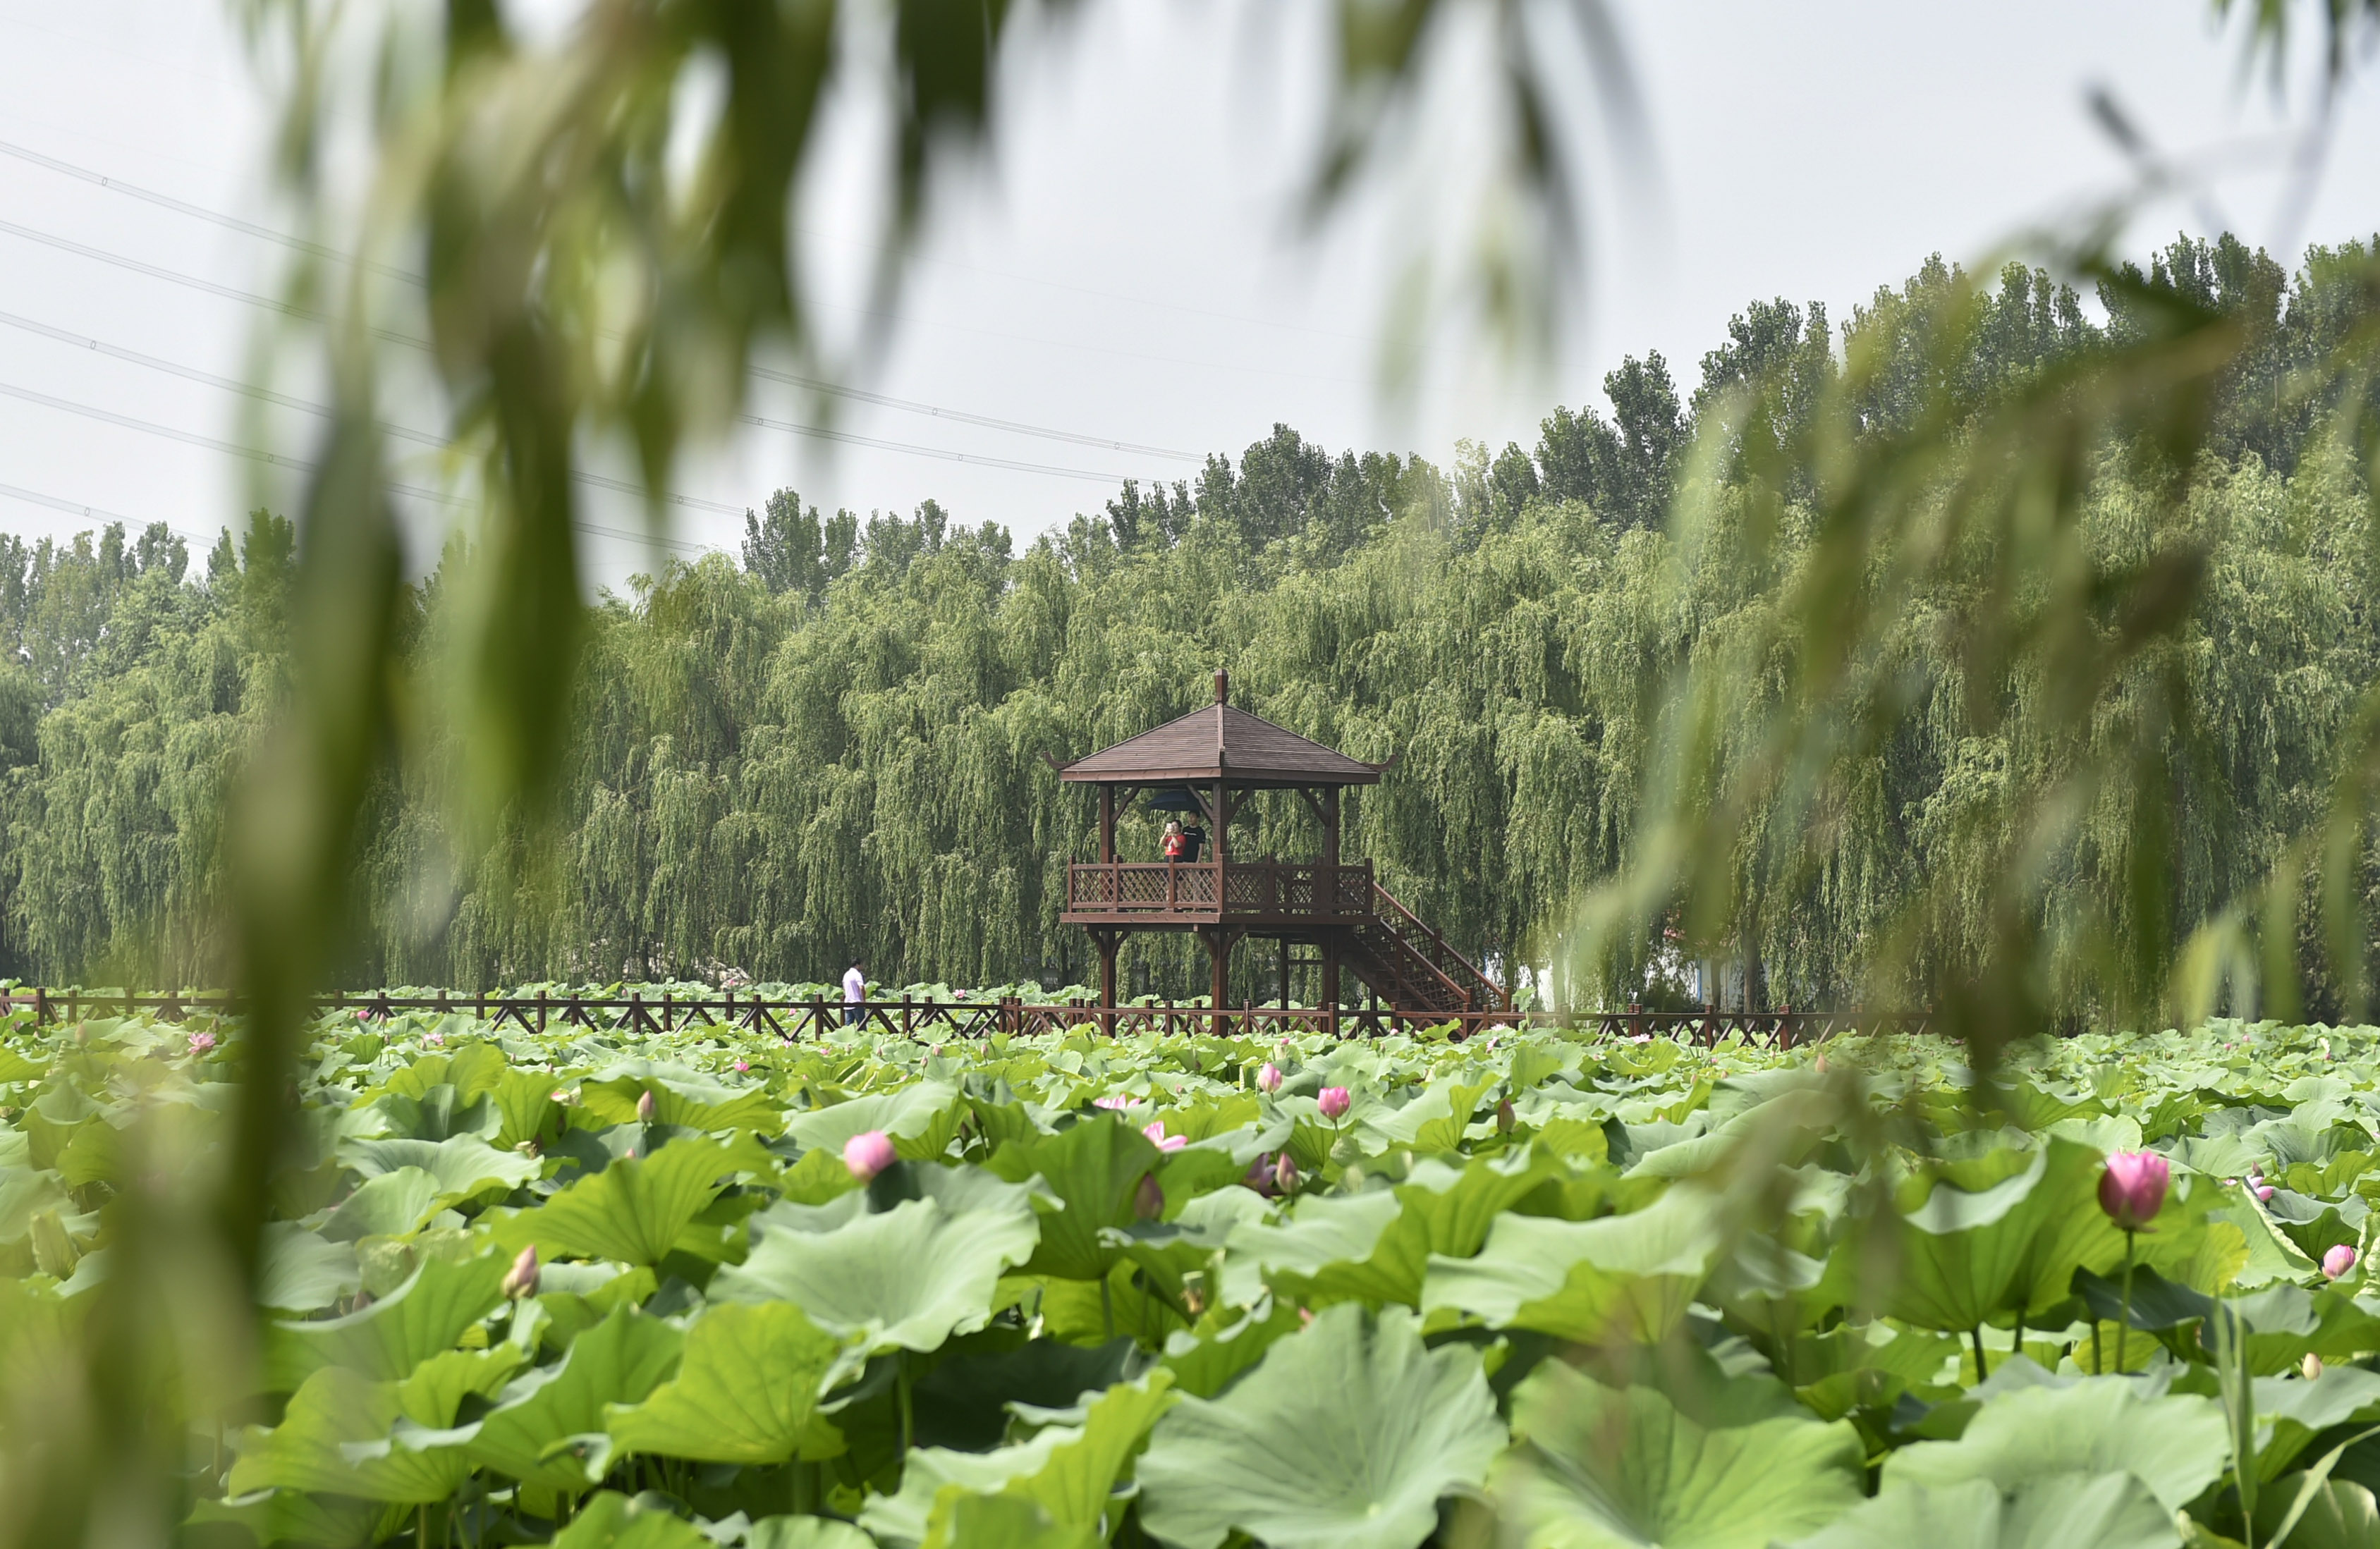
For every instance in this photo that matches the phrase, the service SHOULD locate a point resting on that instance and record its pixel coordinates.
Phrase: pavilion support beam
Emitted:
(1108, 942)
(1218, 939)
(1284, 972)
(1107, 824)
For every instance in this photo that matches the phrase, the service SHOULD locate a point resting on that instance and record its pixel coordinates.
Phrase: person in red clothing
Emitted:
(1175, 842)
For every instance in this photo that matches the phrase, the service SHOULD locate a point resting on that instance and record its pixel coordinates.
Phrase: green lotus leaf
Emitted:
(394, 1204)
(470, 1069)
(303, 1271)
(2014, 1245)
(24, 1194)
(2106, 1511)
(1432, 1121)
(908, 1278)
(463, 1166)
(1621, 1277)
(386, 1340)
(2177, 1444)
(620, 1361)
(1092, 1170)
(2295, 1411)
(1067, 1472)
(1602, 1468)
(963, 1403)
(680, 1096)
(1208, 1358)
(345, 1434)
(1377, 1247)
(805, 1533)
(746, 1391)
(272, 1516)
(2341, 1514)
(1346, 1436)
(634, 1210)
(611, 1521)
(922, 1119)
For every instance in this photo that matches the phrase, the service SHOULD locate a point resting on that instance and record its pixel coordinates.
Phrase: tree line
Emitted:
(838, 746)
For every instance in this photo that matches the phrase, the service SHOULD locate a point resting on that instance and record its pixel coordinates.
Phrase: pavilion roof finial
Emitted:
(1222, 686)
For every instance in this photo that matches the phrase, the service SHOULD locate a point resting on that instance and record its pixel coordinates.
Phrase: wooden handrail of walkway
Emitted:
(795, 1019)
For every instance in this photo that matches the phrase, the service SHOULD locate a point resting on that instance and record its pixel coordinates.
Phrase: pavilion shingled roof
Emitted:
(1220, 742)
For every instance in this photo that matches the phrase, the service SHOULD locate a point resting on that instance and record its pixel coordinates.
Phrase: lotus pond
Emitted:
(713, 1288)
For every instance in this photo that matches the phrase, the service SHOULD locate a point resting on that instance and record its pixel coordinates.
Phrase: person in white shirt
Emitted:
(855, 994)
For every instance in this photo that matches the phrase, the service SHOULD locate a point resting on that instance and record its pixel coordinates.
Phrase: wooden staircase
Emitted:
(1411, 966)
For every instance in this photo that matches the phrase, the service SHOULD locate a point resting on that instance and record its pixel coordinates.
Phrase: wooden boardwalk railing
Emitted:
(799, 1020)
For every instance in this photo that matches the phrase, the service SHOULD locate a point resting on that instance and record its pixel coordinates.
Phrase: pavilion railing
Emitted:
(798, 1021)
(1260, 887)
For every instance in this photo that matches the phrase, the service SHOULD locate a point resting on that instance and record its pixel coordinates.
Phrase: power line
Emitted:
(92, 513)
(201, 212)
(233, 448)
(1013, 427)
(289, 308)
(818, 432)
(300, 244)
(266, 394)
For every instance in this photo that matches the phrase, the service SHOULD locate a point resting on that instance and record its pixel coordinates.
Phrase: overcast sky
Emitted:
(1125, 272)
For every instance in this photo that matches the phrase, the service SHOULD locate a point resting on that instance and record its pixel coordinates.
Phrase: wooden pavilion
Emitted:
(1212, 761)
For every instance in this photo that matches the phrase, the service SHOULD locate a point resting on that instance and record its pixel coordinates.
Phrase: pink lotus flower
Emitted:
(1269, 1078)
(1285, 1175)
(521, 1280)
(1156, 1133)
(1148, 1200)
(433, 1040)
(743, 1067)
(2338, 1261)
(1115, 1102)
(2263, 1192)
(201, 1042)
(868, 1153)
(645, 1107)
(1335, 1101)
(2132, 1189)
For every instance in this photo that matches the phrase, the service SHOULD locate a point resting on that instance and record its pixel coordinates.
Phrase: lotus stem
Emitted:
(1977, 1333)
(901, 1382)
(2125, 1327)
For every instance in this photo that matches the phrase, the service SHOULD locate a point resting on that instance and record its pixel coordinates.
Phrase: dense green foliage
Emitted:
(1611, 1294)
(838, 747)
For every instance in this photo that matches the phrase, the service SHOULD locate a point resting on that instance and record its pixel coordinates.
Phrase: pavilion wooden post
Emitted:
(1284, 972)
(1329, 993)
(1107, 941)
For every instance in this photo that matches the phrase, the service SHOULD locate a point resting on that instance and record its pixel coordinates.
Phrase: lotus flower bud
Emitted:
(2132, 1189)
(868, 1153)
(644, 1108)
(1504, 1117)
(201, 1042)
(1268, 1079)
(743, 1067)
(1148, 1200)
(521, 1280)
(1336, 1101)
(2311, 1367)
(2263, 1191)
(2338, 1261)
(1285, 1175)
(1163, 1142)
(1819, 1064)
(1259, 1174)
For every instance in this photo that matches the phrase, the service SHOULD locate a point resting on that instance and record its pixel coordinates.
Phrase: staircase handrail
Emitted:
(1439, 954)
